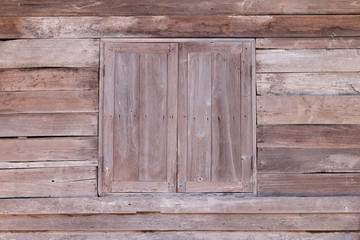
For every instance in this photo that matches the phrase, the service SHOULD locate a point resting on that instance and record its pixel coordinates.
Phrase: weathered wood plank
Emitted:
(48, 101)
(180, 204)
(163, 7)
(181, 26)
(309, 60)
(48, 79)
(309, 136)
(309, 184)
(157, 221)
(47, 164)
(56, 124)
(308, 110)
(48, 182)
(308, 160)
(307, 43)
(180, 235)
(47, 149)
(49, 53)
(336, 83)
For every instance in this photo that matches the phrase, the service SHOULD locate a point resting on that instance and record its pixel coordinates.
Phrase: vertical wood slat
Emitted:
(126, 121)
(153, 117)
(225, 135)
(199, 116)
(144, 117)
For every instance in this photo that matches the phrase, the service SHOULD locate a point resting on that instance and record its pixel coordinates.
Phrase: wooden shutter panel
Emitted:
(215, 117)
(139, 117)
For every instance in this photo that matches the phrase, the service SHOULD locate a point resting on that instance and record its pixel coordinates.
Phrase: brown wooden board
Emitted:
(40, 79)
(144, 76)
(48, 182)
(307, 43)
(48, 149)
(48, 101)
(181, 26)
(309, 184)
(163, 7)
(188, 203)
(308, 160)
(308, 110)
(49, 53)
(308, 60)
(46, 124)
(215, 78)
(309, 136)
(180, 235)
(157, 221)
(334, 83)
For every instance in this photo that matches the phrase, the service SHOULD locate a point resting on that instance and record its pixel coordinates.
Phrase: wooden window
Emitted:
(177, 116)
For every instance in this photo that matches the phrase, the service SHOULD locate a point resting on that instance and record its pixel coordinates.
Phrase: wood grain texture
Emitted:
(57, 124)
(181, 235)
(48, 182)
(48, 101)
(48, 149)
(189, 203)
(309, 184)
(181, 26)
(48, 79)
(163, 7)
(309, 60)
(47, 164)
(308, 160)
(49, 53)
(309, 136)
(335, 83)
(157, 221)
(307, 43)
(308, 110)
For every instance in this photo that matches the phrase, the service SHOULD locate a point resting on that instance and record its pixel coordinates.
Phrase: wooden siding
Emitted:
(308, 144)
(181, 26)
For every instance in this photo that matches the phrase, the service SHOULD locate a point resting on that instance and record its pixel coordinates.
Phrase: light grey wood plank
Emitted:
(308, 110)
(47, 164)
(199, 116)
(46, 124)
(49, 53)
(127, 115)
(48, 149)
(48, 101)
(153, 117)
(309, 60)
(48, 79)
(335, 83)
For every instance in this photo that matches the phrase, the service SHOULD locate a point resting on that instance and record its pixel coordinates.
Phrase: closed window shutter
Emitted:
(139, 117)
(215, 117)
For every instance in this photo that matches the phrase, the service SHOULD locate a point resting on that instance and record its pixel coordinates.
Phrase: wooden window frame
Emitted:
(103, 168)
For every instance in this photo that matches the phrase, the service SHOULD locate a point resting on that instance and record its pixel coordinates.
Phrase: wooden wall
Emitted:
(308, 125)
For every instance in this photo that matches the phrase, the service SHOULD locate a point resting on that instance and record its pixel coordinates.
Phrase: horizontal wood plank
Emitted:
(49, 53)
(309, 136)
(49, 101)
(48, 164)
(40, 79)
(307, 43)
(157, 221)
(309, 184)
(47, 149)
(179, 26)
(309, 60)
(163, 7)
(48, 182)
(189, 203)
(308, 160)
(56, 124)
(308, 110)
(181, 235)
(335, 83)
